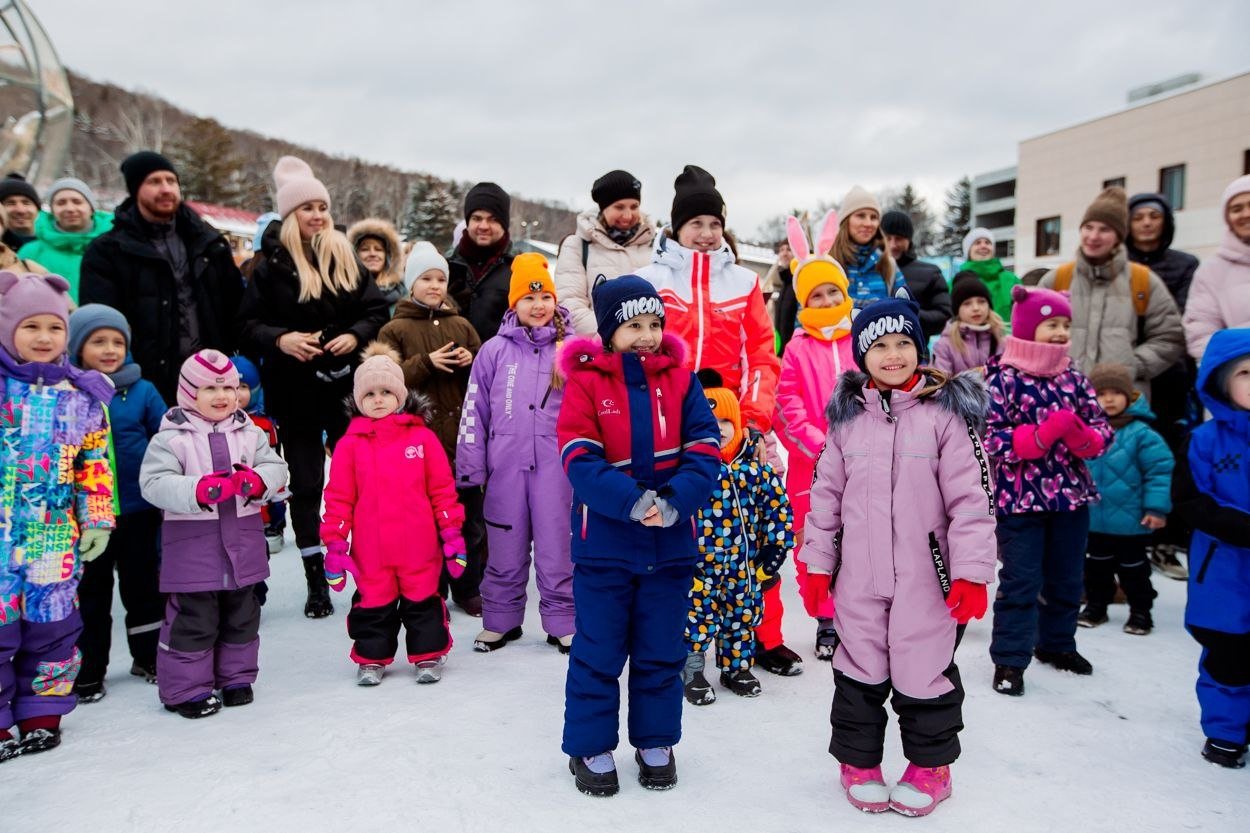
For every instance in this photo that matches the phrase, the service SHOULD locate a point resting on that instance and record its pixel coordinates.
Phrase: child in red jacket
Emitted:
(392, 491)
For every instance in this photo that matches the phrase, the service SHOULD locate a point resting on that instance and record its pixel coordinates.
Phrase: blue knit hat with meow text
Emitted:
(618, 300)
(899, 314)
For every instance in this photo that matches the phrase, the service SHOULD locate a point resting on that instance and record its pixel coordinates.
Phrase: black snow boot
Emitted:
(780, 661)
(39, 740)
(1140, 623)
(318, 605)
(1224, 753)
(1065, 661)
(696, 687)
(195, 709)
(588, 781)
(10, 747)
(237, 696)
(741, 682)
(1009, 680)
(661, 775)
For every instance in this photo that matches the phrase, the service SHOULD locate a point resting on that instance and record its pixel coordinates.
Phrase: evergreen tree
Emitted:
(431, 214)
(208, 168)
(917, 208)
(958, 215)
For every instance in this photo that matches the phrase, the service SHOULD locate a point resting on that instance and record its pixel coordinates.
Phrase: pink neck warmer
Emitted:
(1036, 357)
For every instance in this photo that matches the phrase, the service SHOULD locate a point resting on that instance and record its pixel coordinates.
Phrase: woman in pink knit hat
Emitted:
(308, 310)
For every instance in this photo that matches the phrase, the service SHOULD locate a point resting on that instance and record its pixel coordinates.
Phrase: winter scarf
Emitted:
(621, 236)
(91, 382)
(1035, 357)
(481, 259)
(866, 284)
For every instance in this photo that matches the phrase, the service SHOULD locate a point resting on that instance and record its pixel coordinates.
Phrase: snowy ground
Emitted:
(480, 751)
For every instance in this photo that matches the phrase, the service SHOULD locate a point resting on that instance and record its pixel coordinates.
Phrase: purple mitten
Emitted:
(337, 565)
(454, 555)
(214, 488)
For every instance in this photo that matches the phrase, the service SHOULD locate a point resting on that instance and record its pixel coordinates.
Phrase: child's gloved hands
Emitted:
(214, 488)
(967, 600)
(247, 483)
(817, 589)
(1032, 441)
(666, 513)
(454, 555)
(337, 565)
(767, 562)
(642, 506)
(91, 543)
(1082, 440)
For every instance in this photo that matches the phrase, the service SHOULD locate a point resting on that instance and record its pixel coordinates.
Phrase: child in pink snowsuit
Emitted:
(815, 358)
(902, 520)
(391, 491)
(507, 445)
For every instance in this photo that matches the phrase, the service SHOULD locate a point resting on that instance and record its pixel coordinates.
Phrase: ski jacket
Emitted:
(979, 344)
(810, 369)
(1219, 296)
(135, 415)
(60, 252)
(716, 307)
(590, 252)
(631, 423)
(1134, 476)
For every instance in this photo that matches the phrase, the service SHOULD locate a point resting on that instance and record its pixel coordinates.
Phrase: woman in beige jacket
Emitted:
(613, 241)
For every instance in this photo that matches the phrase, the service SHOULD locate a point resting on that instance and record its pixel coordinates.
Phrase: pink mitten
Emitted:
(247, 482)
(337, 565)
(454, 555)
(1082, 440)
(214, 488)
(967, 600)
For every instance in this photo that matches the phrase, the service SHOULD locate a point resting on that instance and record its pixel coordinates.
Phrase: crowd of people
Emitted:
(613, 420)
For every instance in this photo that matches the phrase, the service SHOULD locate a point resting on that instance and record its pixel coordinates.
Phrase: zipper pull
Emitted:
(659, 407)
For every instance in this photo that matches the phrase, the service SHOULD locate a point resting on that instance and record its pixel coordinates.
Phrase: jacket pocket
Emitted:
(1206, 562)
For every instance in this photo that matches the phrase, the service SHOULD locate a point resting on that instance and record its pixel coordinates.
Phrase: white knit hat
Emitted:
(296, 185)
(973, 236)
(422, 258)
(855, 199)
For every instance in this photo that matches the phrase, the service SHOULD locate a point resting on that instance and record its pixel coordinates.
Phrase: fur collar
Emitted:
(963, 394)
(417, 404)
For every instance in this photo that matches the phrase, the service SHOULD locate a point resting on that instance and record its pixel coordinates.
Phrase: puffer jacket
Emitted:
(717, 309)
(979, 344)
(1211, 491)
(135, 416)
(604, 256)
(60, 252)
(1175, 267)
(390, 281)
(631, 423)
(902, 505)
(1219, 296)
(1134, 476)
(1104, 322)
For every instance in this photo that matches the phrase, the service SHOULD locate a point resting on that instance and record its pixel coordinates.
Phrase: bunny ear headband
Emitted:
(824, 242)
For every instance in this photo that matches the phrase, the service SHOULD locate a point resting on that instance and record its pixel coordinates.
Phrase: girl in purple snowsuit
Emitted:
(902, 523)
(210, 469)
(507, 445)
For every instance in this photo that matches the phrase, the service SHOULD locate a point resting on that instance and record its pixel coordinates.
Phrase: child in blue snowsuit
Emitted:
(641, 448)
(1211, 488)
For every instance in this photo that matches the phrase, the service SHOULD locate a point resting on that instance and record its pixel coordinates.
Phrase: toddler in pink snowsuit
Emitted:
(391, 490)
(902, 519)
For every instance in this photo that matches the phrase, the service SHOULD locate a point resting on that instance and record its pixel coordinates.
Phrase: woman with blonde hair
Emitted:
(860, 248)
(308, 310)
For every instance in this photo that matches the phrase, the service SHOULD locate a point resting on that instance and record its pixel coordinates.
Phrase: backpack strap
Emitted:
(1063, 276)
(1139, 288)
(585, 252)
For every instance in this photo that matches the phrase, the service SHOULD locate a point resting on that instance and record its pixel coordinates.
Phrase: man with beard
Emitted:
(481, 263)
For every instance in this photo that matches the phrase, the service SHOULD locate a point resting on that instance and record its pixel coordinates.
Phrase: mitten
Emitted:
(816, 589)
(337, 565)
(642, 505)
(1082, 440)
(668, 512)
(91, 543)
(1032, 441)
(967, 600)
(454, 556)
(247, 483)
(214, 488)
(768, 561)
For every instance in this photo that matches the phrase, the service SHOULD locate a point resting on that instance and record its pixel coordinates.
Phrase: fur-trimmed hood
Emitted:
(586, 353)
(393, 272)
(416, 404)
(963, 394)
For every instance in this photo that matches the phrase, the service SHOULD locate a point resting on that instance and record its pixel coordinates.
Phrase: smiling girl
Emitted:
(974, 334)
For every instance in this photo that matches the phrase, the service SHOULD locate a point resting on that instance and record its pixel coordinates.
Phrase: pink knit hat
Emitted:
(296, 185)
(25, 296)
(380, 369)
(1032, 306)
(207, 367)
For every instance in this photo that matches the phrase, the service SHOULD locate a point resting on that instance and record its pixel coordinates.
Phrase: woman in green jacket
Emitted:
(63, 233)
(979, 257)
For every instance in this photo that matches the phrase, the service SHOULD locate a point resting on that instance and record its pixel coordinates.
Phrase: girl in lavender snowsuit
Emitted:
(507, 445)
(902, 524)
(210, 469)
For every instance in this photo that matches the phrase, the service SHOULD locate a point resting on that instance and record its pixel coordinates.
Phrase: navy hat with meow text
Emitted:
(618, 300)
(898, 314)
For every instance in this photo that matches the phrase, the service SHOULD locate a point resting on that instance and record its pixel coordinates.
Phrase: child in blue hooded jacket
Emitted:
(1212, 490)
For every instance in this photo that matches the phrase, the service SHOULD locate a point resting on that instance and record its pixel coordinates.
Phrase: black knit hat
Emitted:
(898, 224)
(487, 196)
(15, 185)
(613, 186)
(139, 166)
(968, 284)
(696, 194)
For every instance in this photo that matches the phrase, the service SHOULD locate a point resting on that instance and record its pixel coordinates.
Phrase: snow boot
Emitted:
(1164, 558)
(563, 644)
(1065, 661)
(488, 641)
(741, 682)
(39, 740)
(696, 687)
(1139, 623)
(430, 670)
(826, 640)
(471, 606)
(865, 788)
(595, 775)
(89, 692)
(1009, 680)
(148, 674)
(274, 542)
(318, 605)
(370, 674)
(920, 790)
(1225, 753)
(657, 768)
(10, 747)
(195, 709)
(1092, 617)
(239, 695)
(780, 661)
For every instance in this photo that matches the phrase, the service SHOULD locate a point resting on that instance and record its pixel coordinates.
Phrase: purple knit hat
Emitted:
(25, 296)
(1032, 306)
(207, 367)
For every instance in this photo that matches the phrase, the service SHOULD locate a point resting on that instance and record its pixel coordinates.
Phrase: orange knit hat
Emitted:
(724, 405)
(529, 274)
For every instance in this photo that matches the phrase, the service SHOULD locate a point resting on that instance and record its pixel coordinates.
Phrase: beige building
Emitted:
(1188, 145)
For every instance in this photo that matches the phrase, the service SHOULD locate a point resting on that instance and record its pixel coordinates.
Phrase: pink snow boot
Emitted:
(865, 788)
(920, 790)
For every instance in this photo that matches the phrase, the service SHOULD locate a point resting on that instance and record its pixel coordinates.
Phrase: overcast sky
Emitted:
(786, 103)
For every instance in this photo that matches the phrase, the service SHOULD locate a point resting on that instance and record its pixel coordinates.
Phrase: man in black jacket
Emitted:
(924, 280)
(170, 273)
(481, 264)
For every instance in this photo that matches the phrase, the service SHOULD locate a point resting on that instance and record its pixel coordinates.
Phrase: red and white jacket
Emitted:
(716, 307)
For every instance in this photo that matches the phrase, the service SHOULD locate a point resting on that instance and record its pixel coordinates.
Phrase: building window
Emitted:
(1047, 237)
(1172, 185)
(1119, 180)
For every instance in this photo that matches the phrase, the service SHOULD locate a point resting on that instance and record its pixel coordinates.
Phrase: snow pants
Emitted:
(725, 602)
(209, 639)
(623, 615)
(389, 596)
(1118, 556)
(134, 551)
(38, 665)
(1224, 684)
(1039, 585)
(523, 507)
